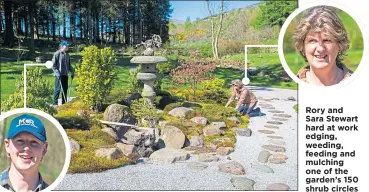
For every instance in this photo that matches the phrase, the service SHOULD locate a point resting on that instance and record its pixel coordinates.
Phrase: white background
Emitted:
(353, 96)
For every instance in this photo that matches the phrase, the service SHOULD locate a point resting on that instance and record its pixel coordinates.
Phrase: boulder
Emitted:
(127, 150)
(179, 111)
(74, 146)
(111, 132)
(243, 183)
(119, 113)
(205, 157)
(169, 155)
(109, 153)
(242, 131)
(133, 137)
(172, 137)
(211, 130)
(224, 151)
(232, 167)
(200, 120)
(197, 141)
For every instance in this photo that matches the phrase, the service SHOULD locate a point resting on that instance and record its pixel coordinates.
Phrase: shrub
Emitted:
(135, 85)
(192, 73)
(95, 75)
(39, 93)
(143, 111)
(213, 91)
(228, 47)
(215, 112)
(78, 48)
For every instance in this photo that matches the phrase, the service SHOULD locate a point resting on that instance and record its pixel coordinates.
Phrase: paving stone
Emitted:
(266, 131)
(279, 119)
(277, 142)
(275, 122)
(265, 105)
(274, 148)
(275, 137)
(271, 126)
(243, 183)
(282, 115)
(276, 111)
(264, 156)
(278, 187)
(277, 158)
(262, 168)
(203, 157)
(197, 165)
(242, 131)
(268, 107)
(232, 167)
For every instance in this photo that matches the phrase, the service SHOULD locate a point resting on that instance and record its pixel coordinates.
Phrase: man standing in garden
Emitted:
(246, 99)
(61, 67)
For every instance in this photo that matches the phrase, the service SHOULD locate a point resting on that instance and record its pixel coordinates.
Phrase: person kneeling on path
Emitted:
(246, 99)
(61, 67)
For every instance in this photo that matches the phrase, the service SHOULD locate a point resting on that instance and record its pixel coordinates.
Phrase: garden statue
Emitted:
(148, 64)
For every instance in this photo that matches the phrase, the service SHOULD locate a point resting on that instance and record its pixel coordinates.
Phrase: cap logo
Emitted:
(25, 121)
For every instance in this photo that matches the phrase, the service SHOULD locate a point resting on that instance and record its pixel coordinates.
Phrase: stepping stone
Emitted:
(169, 155)
(282, 115)
(203, 157)
(275, 122)
(264, 156)
(224, 151)
(291, 98)
(278, 158)
(276, 111)
(243, 183)
(197, 165)
(266, 131)
(274, 148)
(265, 105)
(279, 119)
(275, 137)
(277, 142)
(268, 107)
(278, 187)
(275, 98)
(262, 168)
(232, 167)
(271, 126)
(242, 131)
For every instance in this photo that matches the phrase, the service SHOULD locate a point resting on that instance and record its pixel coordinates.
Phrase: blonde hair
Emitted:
(321, 19)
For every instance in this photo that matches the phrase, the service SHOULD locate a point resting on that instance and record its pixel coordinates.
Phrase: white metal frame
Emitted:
(246, 80)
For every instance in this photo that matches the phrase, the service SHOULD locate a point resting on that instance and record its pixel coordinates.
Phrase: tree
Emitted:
(274, 13)
(193, 73)
(9, 32)
(215, 34)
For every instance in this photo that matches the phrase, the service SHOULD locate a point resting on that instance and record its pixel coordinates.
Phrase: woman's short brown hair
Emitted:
(321, 19)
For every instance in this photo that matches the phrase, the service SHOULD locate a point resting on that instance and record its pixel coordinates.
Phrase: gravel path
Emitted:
(177, 176)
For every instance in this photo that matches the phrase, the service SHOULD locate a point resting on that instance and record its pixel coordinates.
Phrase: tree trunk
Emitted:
(114, 30)
(1, 23)
(72, 17)
(32, 29)
(26, 25)
(9, 32)
(212, 28)
(97, 38)
(53, 27)
(64, 25)
(102, 27)
(19, 26)
(219, 29)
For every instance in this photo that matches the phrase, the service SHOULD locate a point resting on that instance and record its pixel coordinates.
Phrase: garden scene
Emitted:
(146, 108)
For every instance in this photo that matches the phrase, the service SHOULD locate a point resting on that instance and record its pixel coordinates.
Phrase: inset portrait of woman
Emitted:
(323, 46)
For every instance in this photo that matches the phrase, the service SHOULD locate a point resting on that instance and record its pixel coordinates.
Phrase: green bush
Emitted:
(213, 91)
(39, 93)
(135, 85)
(215, 112)
(95, 75)
(142, 110)
(78, 48)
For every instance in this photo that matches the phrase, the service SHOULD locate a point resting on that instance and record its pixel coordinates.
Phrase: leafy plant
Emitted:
(192, 73)
(95, 75)
(39, 93)
(213, 91)
(144, 111)
(135, 85)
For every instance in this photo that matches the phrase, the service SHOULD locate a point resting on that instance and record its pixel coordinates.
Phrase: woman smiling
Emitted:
(322, 41)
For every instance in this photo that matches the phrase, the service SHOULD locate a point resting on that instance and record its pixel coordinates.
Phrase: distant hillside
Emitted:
(177, 21)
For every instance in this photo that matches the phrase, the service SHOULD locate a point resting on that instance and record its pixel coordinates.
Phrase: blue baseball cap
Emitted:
(65, 43)
(27, 123)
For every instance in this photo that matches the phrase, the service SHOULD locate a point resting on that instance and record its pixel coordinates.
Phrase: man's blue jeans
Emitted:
(64, 82)
(246, 108)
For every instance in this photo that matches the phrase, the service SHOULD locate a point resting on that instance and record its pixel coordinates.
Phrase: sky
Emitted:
(198, 9)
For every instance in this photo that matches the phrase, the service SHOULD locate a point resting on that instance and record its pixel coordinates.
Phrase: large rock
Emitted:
(243, 183)
(169, 155)
(221, 125)
(197, 141)
(179, 111)
(274, 148)
(211, 130)
(133, 137)
(109, 153)
(74, 146)
(127, 150)
(264, 156)
(224, 151)
(172, 137)
(111, 132)
(200, 120)
(204, 157)
(246, 132)
(278, 187)
(197, 165)
(232, 167)
(119, 113)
